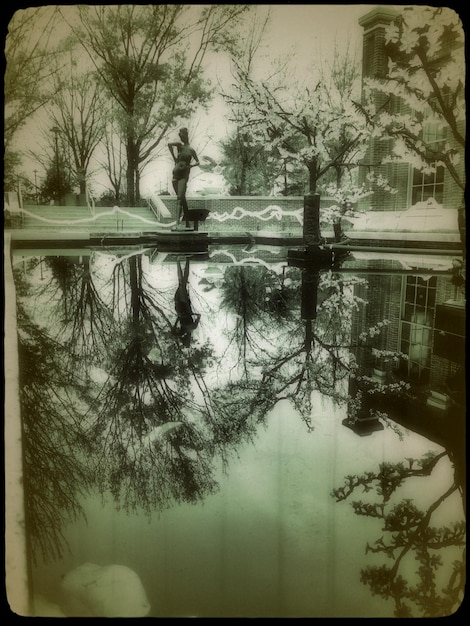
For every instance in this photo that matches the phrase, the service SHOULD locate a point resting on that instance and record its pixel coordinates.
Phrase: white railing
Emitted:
(158, 208)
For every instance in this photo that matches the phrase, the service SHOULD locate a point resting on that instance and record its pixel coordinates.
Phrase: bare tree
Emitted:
(29, 50)
(77, 110)
(150, 58)
(114, 160)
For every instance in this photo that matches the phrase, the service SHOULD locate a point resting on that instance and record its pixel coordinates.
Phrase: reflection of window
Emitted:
(430, 185)
(416, 327)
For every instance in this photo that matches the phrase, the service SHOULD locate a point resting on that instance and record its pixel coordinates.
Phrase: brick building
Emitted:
(411, 185)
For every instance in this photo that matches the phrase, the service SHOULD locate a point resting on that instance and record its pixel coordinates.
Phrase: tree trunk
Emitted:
(137, 186)
(130, 184)
(309, 337)
(338, 231)
(117, 192)
(312, 176)
(130, 150)
(242, 185)
(81, 174)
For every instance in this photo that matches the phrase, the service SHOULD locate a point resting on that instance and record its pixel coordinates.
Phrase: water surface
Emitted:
(193, 418)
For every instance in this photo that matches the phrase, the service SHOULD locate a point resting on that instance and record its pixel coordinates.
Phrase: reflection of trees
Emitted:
(86, 320)
(407, 532)
(55, 468)
(89, 316)
(235, 411)
(63, 270)
(150, 450)
(138, 433)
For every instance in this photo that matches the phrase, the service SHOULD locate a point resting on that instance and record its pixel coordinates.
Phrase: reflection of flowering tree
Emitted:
(290, 357)
(407, 532)
(372, 397)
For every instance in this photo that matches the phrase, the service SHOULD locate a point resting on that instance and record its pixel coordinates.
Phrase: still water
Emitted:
(249, 437)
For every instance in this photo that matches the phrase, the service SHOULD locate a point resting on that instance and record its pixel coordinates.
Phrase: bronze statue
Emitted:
(184, 154)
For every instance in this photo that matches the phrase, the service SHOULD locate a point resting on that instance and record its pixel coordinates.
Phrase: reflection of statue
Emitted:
(186, 320)
(182, 159)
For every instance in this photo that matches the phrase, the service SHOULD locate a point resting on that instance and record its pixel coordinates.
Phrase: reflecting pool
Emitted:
(247, 436)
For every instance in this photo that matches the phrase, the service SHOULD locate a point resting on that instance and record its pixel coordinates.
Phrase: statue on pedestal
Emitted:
(182, 157)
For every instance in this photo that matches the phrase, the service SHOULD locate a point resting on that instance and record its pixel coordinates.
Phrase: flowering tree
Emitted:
(346, 197)
(425, 87)
(313, 126)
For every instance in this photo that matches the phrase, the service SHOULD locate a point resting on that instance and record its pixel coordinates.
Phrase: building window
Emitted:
(426, 186)
(416, 324)
(430, 185)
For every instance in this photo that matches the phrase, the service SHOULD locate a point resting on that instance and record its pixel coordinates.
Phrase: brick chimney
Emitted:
(375, 65)
(374, 59)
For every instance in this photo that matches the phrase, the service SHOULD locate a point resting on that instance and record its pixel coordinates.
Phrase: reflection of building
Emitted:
(432, 330)
(418, 305)
(425, 323)
(412, 185)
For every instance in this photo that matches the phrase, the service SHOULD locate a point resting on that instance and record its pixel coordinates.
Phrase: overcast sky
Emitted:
(310, 32)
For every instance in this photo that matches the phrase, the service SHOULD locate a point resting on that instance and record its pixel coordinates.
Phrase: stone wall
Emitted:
(247, 213)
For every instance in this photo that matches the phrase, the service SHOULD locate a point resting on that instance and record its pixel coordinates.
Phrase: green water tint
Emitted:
(222, 469)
